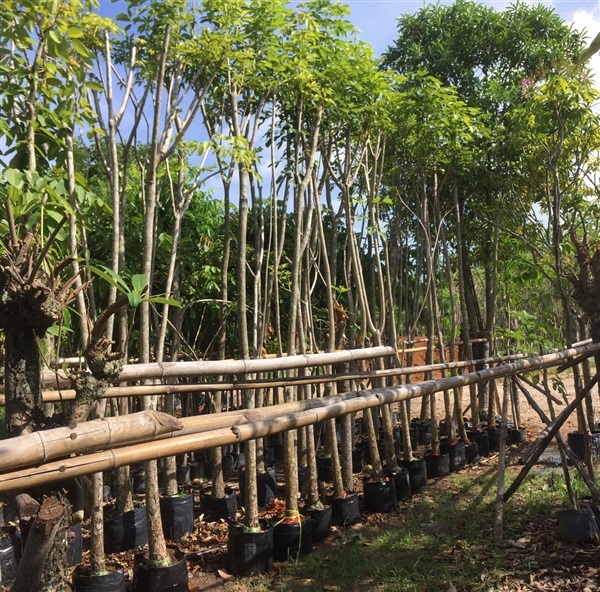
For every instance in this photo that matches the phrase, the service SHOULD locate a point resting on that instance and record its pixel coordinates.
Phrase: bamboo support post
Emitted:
(565, 449)
(551, 430)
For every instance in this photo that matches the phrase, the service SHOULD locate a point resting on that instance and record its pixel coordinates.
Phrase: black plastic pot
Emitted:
(358, 428)
(415, 435)
(494, 439)
(291, 539)
(367, 449)
(345, 510)
(358, 458)
(438, 465)
(443, 428)
(183, 474)
(113, 581)
(418, 474)
(241, 460)
(380, 496)
(398, 441)
(320, 522)
(324, 470)
(227, 463)
(472, 452)
(224, 508)
(482, 440)
(124, 532)
(578, 526)
(575, 440)
(249, 552)
(197, 470)
(269, 455)
(278, 450)
(424, 431)
(10, 555)
(266, 484)
(401, 480)
(75, 545)
(177, 515)
(138, 483)
(150, 578)
(457, 454)
(518, 435)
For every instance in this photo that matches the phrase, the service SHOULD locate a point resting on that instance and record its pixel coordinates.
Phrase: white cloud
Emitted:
(588, 21)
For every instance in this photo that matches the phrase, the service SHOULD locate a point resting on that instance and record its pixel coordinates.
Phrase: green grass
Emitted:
(444, 536)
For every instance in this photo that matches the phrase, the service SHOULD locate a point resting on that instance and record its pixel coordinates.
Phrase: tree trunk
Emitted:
(97, 557)
(22, 377)
(40, 541)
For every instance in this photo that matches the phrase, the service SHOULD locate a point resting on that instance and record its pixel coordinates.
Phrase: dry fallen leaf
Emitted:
(331, 588)
(227, 577)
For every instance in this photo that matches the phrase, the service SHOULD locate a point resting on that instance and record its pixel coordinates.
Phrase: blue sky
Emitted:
(377, 19)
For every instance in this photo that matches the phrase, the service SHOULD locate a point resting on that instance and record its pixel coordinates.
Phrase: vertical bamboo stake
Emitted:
(499, 514)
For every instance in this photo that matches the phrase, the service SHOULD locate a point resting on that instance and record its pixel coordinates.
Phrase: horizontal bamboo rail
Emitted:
(62, 442)
(55, 396)
(260, 426)
(169, 370)
(42, 446)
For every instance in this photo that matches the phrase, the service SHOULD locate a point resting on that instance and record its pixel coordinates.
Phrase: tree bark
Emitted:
(40, 540)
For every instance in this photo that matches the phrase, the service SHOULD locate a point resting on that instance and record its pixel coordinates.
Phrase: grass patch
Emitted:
(443, 537)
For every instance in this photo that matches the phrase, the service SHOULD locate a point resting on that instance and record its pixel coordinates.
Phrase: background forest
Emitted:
(257, 164)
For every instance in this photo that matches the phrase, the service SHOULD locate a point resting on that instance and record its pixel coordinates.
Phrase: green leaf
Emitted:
(80, 48)
(139, 282)
(56, 330)
(74, 32)
(135, 299)
(163, 300)
(14, 178)
(114, 279)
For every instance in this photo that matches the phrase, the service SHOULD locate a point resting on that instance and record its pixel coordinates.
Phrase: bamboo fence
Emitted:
(259, 423)
(56, 396)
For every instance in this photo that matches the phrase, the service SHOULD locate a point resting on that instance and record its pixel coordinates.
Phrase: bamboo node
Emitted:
(73, 436)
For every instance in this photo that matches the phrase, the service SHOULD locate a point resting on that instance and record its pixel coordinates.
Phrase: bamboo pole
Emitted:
(262, 425)
(54, 396)
(39, 447)
(193, 369)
